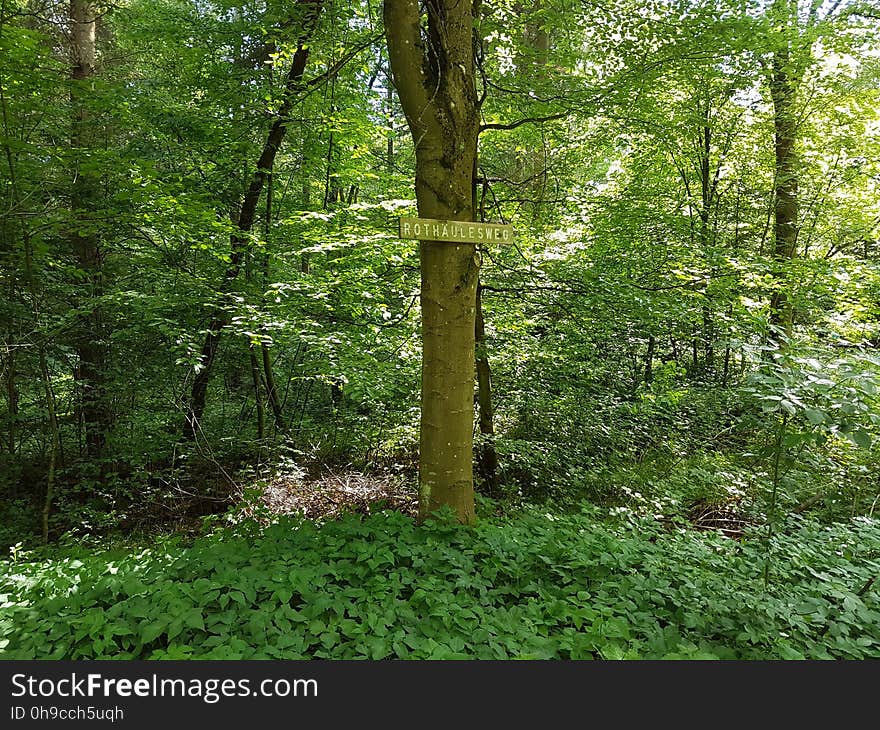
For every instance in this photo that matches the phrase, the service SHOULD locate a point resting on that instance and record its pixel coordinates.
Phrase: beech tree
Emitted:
(433, 70)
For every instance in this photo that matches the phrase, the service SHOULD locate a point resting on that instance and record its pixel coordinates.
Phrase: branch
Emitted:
(865, 10)
(337, 67)
(832, 9)
(527, 120)
(402, 31)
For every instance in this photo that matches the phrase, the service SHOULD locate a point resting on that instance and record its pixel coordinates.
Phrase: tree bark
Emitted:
(782, 91)
(258, 398)
(55, 447)
(90, 332)
(434, 77)
(707, 196)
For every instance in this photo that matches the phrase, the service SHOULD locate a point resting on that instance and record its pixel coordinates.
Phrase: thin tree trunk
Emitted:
(272, 390)
(91, 343)
(331, 182)
(649, 360)
(725, 378)
(240, 237)
(258, 397)
(708, 340)
(55, 444)
(782, 91)
(726, 372)
(728, 353)
(707, 195)
(389, 102)
(533, 68)
(8, 233)
(11, 397)
(305, 259)
(487, 457)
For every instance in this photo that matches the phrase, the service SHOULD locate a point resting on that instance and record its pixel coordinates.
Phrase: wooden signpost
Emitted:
(428, 229)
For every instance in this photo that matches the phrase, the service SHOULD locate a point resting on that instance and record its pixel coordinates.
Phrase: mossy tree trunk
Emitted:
(782, 91)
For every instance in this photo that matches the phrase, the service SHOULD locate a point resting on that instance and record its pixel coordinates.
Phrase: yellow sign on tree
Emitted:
(429, 229)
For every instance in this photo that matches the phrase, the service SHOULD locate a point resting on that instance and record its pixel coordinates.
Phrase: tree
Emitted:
(433, 71)
(91, 334)
(785, 75)
(308, 12)
(796, 27)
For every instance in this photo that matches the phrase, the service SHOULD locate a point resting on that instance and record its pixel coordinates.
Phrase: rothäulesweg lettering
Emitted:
(428, 229)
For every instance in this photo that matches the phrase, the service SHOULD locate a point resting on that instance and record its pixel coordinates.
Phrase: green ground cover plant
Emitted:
(535, 586)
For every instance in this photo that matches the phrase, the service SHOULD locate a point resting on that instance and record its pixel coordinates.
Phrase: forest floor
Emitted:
(362, 580)
(334, 493)
(677, 562)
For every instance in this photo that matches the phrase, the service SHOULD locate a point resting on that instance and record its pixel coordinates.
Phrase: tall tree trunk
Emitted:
(91, 336)
(782, 91)
(240, 237)
(435, 83)
(271, 389)
(9, 265)
(487, 458)
(708, 340)
(305, 259)
(707, 195)
(725, 375)
(331, 180)
(538, 37)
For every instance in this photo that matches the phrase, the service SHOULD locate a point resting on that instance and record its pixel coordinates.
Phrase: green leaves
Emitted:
(538, 586)
(860, 438)
(815, 416)
(821, 398)
(151, 631)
